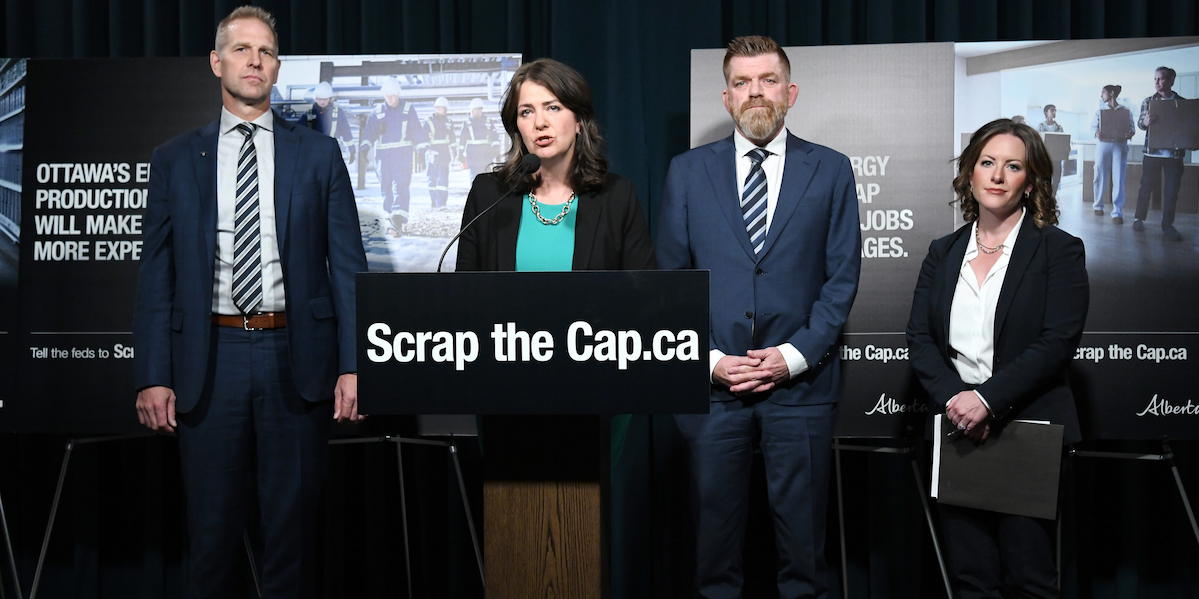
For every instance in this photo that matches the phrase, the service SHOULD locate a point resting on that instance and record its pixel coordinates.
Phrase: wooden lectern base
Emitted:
(542, 539)
(545, 506)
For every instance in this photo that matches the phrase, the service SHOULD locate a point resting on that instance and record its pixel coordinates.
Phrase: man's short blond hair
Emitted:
(244, 12)
(749, 46)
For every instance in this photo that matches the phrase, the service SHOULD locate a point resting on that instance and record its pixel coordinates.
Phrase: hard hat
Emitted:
(324, 91)
(391, 87)
(476, 103)
(441, 103)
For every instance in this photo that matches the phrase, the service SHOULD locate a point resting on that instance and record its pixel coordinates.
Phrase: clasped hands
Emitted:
(967, 412)
(758, 371)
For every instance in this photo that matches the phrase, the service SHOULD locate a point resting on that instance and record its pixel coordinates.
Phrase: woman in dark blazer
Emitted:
(996, 318)
(547, 111)
(571, 214)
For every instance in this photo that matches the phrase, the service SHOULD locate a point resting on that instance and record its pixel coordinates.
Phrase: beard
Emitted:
(759, 124)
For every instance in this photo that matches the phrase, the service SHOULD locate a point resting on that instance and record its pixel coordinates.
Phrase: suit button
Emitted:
(759, 272)
(749, 314)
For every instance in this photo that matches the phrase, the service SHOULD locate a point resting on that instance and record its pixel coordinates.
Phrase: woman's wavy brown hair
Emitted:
(1038, 168)
(589, 165)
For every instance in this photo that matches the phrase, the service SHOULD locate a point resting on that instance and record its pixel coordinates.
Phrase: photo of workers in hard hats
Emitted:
(329, 118)
(414, 131)
(479, 140)
(440, 131)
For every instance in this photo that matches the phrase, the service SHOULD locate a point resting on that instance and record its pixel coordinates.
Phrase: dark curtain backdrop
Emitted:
(119, 531)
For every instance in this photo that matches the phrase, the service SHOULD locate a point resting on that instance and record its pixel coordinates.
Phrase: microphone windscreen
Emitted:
(530, 163)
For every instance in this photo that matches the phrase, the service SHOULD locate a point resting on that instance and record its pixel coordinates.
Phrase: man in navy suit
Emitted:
(775, 219)
(244, 323)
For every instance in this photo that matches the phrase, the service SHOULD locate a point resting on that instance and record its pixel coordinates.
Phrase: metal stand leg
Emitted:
(12, 560)
(245, 539)
(404, 499)
(62, 475)
(1167, 455)
(1059, 547)
(1182, 492)
(470, 522)
(404, 517)
(841, 519)
(932, 531)
(928, 515)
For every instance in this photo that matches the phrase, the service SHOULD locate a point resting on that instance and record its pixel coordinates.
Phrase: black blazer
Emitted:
(1038, 323)
(610, 231)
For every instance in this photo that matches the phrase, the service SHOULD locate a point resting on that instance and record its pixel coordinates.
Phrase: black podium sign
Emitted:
(533, 343)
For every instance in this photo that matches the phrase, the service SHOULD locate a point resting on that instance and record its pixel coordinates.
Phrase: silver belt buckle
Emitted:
(245, 323)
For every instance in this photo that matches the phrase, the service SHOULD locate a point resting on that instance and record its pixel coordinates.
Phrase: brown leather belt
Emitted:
(255, 322)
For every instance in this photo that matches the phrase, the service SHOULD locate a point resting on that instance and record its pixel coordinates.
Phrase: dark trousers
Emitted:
(1152, 171)
(395, 175)
(796, 444)
(992, 555)
(439, 176)
(251, 432)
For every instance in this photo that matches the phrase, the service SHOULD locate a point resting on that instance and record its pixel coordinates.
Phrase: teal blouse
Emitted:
(542, 247)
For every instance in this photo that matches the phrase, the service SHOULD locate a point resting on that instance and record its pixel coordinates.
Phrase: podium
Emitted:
(542, 358)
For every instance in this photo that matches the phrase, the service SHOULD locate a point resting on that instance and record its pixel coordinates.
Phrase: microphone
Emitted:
(528, 164)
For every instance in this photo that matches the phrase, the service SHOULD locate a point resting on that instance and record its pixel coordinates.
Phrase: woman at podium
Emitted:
(996, 318)
(1113, 126)
(551, 205)
(570, 212)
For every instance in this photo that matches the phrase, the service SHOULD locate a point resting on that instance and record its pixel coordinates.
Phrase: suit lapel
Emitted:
(722, 174)
(798, 171)
(949, 282)
(587, 219)
(287, 153)
(203, 152)
(508, 211)
(1027, 243)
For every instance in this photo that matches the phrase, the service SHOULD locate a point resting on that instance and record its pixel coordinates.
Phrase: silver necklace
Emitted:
(556, 219)
(986, 249)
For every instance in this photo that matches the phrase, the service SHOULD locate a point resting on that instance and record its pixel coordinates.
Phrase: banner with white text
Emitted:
(902, 112)
(74, 176)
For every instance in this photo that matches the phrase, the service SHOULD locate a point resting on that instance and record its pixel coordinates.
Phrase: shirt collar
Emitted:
(265, 120)
(777, 146)
(1008, 244)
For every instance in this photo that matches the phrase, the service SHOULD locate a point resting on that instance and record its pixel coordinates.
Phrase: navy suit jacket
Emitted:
(1039, 319)
(800, 288)
(320, 248)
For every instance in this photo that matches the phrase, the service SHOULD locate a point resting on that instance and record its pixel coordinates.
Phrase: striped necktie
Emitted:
(247, 246)
(753, 200)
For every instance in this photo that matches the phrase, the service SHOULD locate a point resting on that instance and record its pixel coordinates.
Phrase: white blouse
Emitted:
(972, 315)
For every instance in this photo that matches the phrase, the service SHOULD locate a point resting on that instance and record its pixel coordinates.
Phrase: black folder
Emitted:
(1016, 471)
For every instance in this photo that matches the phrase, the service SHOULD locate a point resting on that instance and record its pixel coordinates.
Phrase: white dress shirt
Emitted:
(772, 167)
(972, 315)
(228, 149)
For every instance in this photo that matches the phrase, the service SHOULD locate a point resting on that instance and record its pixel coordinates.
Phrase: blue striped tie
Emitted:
(753, 200)
(247, 247)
